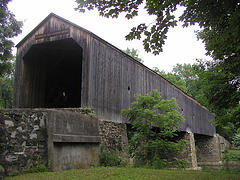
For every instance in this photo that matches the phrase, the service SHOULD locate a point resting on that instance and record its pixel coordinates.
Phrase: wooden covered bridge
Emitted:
(62, 65)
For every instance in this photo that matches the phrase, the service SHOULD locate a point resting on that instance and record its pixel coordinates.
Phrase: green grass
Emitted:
(128, 174)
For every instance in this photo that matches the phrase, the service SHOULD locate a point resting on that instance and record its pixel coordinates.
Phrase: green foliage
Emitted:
(220, 91)
(154, 33)
(180, 163)
(230, 157)
(6, 92)
(38, 168)
(188, 75)
(227, 122)
(88, 111)
(111, 158)
(221, 34)
(134, 54)
(6, 88)
(212, 89)
(173, 78)
(154, 124)
(9, 28)
(236, 140)
(221, 96)
(185, 77)
(217, 19)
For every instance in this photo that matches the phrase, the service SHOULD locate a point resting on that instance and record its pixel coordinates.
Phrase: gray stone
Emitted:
(207, 148)
(11, 158)
(33, 136)
(20, 129)
(9, 123)
(42, 123)
(193, 150)
(35, 127)
(13, 134)
(24, 144)
(223, 144)
(35, 118)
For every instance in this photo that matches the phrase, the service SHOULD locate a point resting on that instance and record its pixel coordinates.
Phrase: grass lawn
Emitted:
(128, 174)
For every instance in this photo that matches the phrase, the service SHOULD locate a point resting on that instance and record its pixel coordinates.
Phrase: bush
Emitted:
(111, 158)
(179, 163)
(154, 124)
(39, 168)
(236, 141)
(88, 111)
(229, 157)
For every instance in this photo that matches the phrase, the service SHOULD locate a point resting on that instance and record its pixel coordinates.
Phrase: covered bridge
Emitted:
(62, 65)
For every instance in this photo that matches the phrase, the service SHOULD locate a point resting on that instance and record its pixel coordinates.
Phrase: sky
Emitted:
(181, 46)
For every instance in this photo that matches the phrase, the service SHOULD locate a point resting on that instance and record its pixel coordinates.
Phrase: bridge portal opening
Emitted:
(52, 75)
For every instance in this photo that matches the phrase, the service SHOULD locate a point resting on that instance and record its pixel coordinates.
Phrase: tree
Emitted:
(212, 89)
(219, 21)
(155, 33)
(154, 123)
(174, 79)
(221, 96)
(134, 54)
(221, 35)
(6, 87)
(236, 139)
(218, 89)
(6, 91)
(9, 28)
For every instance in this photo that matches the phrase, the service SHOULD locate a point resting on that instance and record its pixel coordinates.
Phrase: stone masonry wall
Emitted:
(207, 149)
(223, 144)
(113, 135)
(57, 138)
(23, 140)
(189, 151)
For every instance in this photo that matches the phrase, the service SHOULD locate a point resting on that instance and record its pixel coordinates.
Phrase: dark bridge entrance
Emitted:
(52, 75)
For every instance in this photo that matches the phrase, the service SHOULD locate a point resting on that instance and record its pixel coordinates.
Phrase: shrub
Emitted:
(154, 124)
(236, 141)
(179, 163)
(39, 168)
(229, 157)
(88, 111)
(111, 158)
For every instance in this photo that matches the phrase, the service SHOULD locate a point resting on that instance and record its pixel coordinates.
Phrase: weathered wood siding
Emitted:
(110, 78)
(115, 78)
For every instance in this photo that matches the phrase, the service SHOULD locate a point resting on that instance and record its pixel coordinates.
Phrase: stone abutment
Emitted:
(65, 139)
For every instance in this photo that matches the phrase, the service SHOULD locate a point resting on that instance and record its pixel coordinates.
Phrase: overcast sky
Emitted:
(181, 46)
